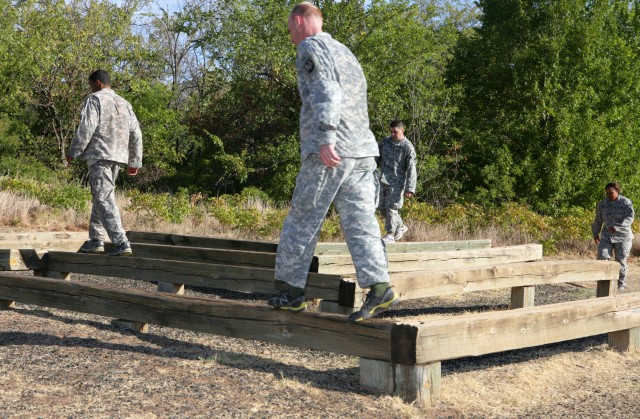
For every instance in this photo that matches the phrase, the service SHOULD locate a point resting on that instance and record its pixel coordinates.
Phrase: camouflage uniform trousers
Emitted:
(622, 250)
(104, 211)
(352, 187)
(390, 203)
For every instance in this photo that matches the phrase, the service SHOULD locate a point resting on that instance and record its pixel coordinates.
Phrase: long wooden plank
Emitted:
(207, 255)
(38, 236)
(403, 262)
(202, 254)
(318, 331)
(485, 333)
(409, 247)
(420, 284)
(229, 277)
(67, 245)
(200, 241)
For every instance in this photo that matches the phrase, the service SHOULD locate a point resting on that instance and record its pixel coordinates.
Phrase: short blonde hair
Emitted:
(306, 9)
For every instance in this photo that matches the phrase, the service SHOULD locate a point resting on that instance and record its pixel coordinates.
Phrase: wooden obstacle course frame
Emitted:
(398, 357)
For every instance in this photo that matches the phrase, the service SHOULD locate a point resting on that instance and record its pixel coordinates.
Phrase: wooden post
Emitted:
(177, 289)
(625, 340)
(350, 297)
(606, 287)
(139, 327)
(65, 276)
(410, 382)
(522, 297)
(7, 304)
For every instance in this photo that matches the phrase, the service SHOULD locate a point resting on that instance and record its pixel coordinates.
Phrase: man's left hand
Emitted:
(328, 155)
(69, 160)
(132, 171)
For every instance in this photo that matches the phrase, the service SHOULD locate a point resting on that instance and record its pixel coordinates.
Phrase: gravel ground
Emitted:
(57, 363)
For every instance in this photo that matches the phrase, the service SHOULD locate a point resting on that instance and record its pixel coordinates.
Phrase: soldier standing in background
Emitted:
(614, 216)
(397, 179)
(108, 135)
(338, 164)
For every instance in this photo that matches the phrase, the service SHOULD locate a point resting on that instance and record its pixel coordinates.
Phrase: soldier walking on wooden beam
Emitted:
(338, 166)
(108, 135)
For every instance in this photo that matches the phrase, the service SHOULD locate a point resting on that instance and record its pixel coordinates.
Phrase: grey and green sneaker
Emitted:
(284, 301)
(92, 246)
(374, 305)
(122, 249)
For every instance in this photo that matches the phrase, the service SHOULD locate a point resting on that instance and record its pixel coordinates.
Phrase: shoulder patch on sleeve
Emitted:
(309, 65)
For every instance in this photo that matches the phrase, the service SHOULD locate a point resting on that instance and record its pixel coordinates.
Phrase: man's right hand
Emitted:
(69, 160)
(596, 239)
(328, 156)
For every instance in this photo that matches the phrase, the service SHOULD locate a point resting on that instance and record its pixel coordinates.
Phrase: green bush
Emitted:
(169, 207)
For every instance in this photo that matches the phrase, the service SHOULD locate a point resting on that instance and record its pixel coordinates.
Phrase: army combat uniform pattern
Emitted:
(333, 90)
(108, 135)
(618, 214)
(397, 176)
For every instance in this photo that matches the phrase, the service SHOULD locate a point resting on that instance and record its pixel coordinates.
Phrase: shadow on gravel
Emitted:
(469, 364)
(339, 379)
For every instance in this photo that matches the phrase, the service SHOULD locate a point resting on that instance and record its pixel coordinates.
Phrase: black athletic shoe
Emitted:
(122, 249)
(374, 305)
(92, 246)
(284, 301)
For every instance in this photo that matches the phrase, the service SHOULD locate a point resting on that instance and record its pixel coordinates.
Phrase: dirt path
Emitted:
(64, 364)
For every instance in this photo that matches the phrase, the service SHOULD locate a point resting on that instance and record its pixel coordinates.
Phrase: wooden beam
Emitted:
(485, 333)
(408, 247)
(206, 255)
(228, 277)
(39, 236)
(420, 284)
(199, 241)
(312, 330)
(403, 262)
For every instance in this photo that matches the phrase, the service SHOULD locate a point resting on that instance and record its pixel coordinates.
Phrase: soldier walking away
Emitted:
(397, 179)
(614, 215)
(108, 135)
(338, 166)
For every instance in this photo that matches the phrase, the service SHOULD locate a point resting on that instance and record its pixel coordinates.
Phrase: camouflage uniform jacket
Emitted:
(398, 164)
(108, 130)
(333, 90)
(618, 214)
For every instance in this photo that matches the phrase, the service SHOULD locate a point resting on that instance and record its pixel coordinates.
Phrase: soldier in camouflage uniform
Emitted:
(108, 135)
(397, 179)
(614, 215)
(338, 164)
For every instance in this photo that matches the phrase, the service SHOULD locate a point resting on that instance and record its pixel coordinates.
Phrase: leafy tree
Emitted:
(551, 88)
(60, 43)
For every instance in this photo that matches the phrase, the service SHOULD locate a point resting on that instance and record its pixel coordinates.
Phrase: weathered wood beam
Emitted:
(318, 331)
(40, 236)
(206, 255)
(199, 241)
(420, 284)
(403, 262)
(228, 277)
(408, 247)
(485, 333)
